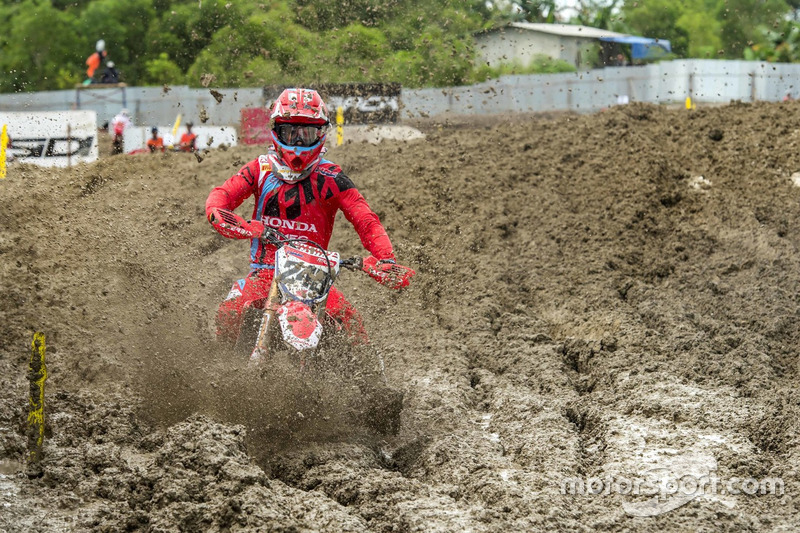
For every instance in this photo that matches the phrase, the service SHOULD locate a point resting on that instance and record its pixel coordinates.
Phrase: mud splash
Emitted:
(598, 297)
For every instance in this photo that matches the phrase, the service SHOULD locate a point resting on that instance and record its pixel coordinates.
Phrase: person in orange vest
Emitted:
(188, 140)
(93, 61)
(156, 142)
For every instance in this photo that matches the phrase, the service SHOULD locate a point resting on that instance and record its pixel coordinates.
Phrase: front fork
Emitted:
(261, 350)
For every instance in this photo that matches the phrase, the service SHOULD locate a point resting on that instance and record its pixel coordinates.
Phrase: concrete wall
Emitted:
(148, 106)
(669, 82)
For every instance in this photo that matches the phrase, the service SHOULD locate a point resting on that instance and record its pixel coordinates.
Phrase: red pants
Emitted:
(256, 287)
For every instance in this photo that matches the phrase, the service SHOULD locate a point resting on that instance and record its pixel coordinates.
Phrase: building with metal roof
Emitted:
(582, 46)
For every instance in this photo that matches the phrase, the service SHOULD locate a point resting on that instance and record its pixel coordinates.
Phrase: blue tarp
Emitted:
(641, 47)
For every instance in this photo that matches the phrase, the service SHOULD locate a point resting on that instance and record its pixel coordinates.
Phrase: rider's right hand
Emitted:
(257, 228)
(264, 232)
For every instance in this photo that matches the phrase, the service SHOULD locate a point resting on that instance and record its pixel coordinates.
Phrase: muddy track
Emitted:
(599, 298)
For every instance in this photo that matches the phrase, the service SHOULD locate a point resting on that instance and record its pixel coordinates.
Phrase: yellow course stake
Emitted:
(175, 130)
(37, 374)
(3, 146)
(688, 102)
(339, 125)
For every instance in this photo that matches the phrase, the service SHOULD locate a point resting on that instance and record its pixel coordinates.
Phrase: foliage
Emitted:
(322, 15)
(740, 20)
(123, 26)
(704, 28)
(705, 40)
(44, 44)
(162, 70)
(31, 59)
(540, 64)
(538, 10)
(658, 19)
(776, 45)
(598, 14)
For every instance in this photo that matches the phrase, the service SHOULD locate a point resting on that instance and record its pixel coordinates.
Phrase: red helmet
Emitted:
(298, 126)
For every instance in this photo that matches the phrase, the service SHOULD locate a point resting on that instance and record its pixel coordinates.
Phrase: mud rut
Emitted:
(585, 306)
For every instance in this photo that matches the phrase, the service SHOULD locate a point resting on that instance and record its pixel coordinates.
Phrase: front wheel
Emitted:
(248, 332)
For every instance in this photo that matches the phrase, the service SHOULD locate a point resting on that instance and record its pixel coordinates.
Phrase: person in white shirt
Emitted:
(118, 125)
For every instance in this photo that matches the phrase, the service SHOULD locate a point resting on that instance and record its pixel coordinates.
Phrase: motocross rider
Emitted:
(297, 192)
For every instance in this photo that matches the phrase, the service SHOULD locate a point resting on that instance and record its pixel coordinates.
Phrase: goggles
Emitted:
(299, 134)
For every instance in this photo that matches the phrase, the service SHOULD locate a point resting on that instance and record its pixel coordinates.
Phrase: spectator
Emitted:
(788, 97)
(156, 142)
(119, 123)
(188, 140)
(110, 74)
(93, 61)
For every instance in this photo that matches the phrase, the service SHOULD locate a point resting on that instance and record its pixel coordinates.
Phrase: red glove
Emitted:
(386, 272)
(232, 226)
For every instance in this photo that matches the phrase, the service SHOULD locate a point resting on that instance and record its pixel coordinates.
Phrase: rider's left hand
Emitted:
(387, 272)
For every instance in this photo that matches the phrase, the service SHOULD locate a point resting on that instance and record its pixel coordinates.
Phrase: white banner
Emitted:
(52, 138)
(135, 138)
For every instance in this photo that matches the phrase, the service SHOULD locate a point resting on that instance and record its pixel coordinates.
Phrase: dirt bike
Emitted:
(291, 324)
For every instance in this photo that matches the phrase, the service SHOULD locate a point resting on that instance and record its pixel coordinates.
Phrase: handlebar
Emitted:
(276, 238)
(353, 263)
(231, 225)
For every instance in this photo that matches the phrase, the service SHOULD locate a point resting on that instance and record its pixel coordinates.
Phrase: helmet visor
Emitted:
(299, 134)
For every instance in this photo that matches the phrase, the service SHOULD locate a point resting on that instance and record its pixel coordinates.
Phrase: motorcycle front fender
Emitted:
(300, 327)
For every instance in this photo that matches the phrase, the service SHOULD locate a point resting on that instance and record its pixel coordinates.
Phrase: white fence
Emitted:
(669, 82)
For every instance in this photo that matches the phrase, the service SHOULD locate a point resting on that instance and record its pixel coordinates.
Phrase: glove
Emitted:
(387, 272)
(231, 225)
(257, 228)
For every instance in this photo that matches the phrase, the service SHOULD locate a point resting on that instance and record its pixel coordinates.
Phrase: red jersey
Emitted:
(303, 209)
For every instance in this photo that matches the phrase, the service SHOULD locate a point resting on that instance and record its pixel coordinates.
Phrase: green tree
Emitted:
(703, 31)
(540, 64)
(436, 60)
(657, 19)
(324, 15)
(740, 20)
(231, 55)
(539, 10)
(188, 28)
(598, 14)
(37, 47)
(780, 45)
(162, 71)
(123, 26)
